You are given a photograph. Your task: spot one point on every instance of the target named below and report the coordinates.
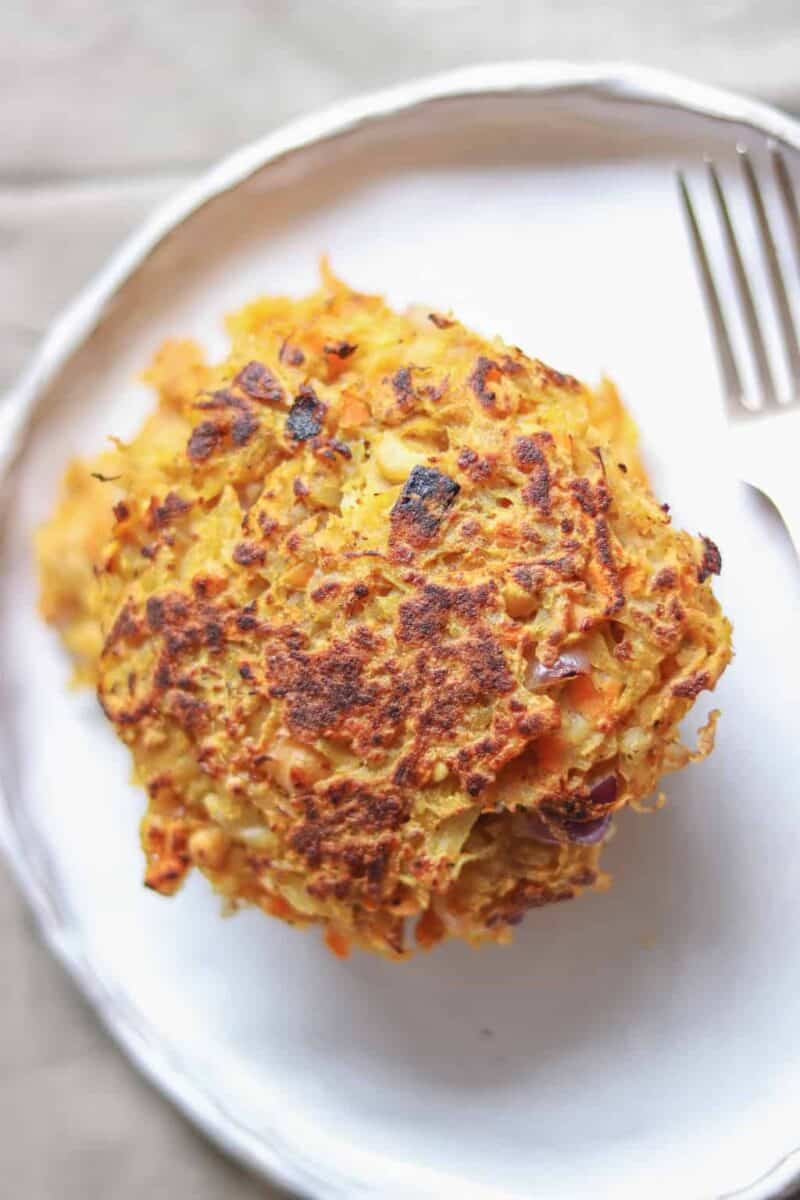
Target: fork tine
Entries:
(788, 197)
(790, 343)
(731, 379)
(745, 295)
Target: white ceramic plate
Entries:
(640, 1043)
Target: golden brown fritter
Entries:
(388, 618)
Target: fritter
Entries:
(388, 617)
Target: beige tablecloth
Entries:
(104, 109)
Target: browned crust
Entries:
(711, 562)
(355, 685)
(426, 497)
(259, 383)
(485, 371)
(530, 455)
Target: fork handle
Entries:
(784, 494)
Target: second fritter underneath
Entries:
(388, 618)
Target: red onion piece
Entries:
(580, 833)
(535, 828)
(604, 792)
(587, 833)
(567, 666)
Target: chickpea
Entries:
(208, 848)
(519, 603)
(294, 766)
(396, 459)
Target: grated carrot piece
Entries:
(430, 929)
(550, 752)
(337, 942)
(354, 413)
(582, 694)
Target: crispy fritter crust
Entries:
(388, 618)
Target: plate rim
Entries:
(621, 81)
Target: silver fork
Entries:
(764, 430)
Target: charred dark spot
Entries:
(534, 724)
(204, 440)
(213, 635)
(711, 562)
(258, 382)
(528, 578)
(486, 747)
(402, 382)
(205, 586)
(364, 637)
(511, 366)
(549, 375)
(426, 497)
(163, 675)
(487, 667)
(485, 368)
(439, 321)
(246, 619)
(478, 469)
(403, 386)
(602, 541)
(528, 450)
(325, 591)
(292, 355)
(584, 494)
(305, 416)
(565, 566)
(425, 616)
(405, 773)
(266, 524)
(173, 506)
(666, 578)
(190, 713)
(155, 612)
(475, 783)
(340, 349)
(524, 896)
(124, 626)
(246, 671)
(378, 863)
(222, 398)
(121, 510)
(338, 829)
(355, 600)
(435, 391)
(692, 686)
(530, 457)
(319, 689)
(243, 428)
(340, 448)
(248, 554)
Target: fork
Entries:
(764, 431)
